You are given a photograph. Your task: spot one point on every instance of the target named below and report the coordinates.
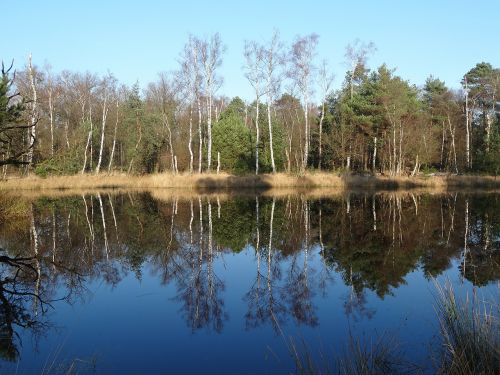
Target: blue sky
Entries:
(137, 39)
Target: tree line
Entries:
(377, 122)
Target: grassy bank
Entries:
(262, 182)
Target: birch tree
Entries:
(273, 59)
(107, 88)
(51, 93)
(209, 54)
(356, 55)
(191, 76)
(325, 80)
(254, 73)
(34, 111)
(303, 69)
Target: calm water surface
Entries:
(143, 283)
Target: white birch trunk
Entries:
(200, 137)
(103, 130)
(110, 165)
(34, 115)
(190, 142)
(271, 150)
(257, 136)
(51, 119)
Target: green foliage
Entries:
(489, 162)
(278, 146)
(235, 227)
(232, 139)
(64, 163)
(12, 127)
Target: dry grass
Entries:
(200, 182)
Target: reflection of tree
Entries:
(199, 288)
(410, 233)
(355, 304)
(264, 304)
(18, 288)
(256, 314)
(298, 290)
(371, 241)
(480, 261)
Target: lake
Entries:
(160, 282)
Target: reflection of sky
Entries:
(136, 327)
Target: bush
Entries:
(61, 164)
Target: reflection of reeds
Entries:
(470, 333)
(359, 357)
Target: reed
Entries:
(470, 333)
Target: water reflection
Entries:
(53, 247)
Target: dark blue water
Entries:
(136, 283)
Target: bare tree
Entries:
(356, 55)
(85, 86)
(254, 73)
(467, 125)
(50, 87)
(107, 89)
(273, 59)
(210, 58)
(117, 120)
(192, 81)
(302, 56)
(325, 80)
(34, 111)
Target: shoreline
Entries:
(224, 181)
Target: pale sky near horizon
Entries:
(137, 39)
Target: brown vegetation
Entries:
(223, 181)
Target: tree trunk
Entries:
(415, 169)
(452, 133)
(489, 121)
(467, 131)
(33, 116)
(66, 129)
(171, 147)
(103, 129)
(257, 137)
(218, 162)
(190, 139)
(306, 141)
(320, 151)
(51, 118)
(209, 130)
(374, 161)
(85, 153)
(393, 172)
(442, 145)
(91, 138)
(200, 146)
(400, 159)
(271, 150)
(114, 141)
